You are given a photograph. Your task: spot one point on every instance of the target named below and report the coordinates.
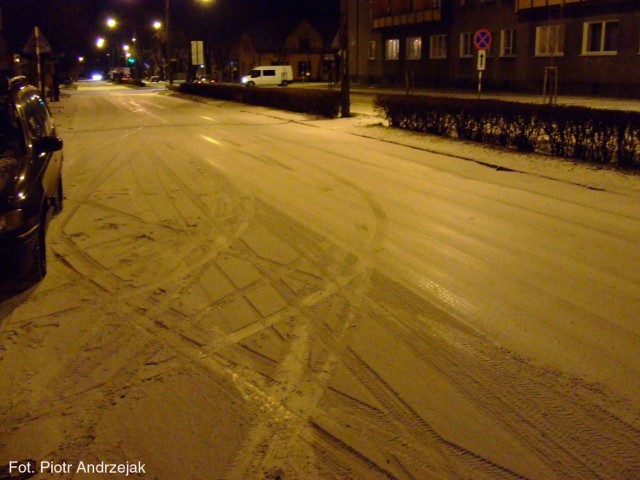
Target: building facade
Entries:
(300, 45)
(588, 46)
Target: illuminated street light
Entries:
(100, 42)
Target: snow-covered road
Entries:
(242, 293)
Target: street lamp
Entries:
(129, 53)
(111, 23)
(167, 9)
(344, 59)
(101, 43)
(157, 26)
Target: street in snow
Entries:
(237, 292)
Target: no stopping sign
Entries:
(482, 39)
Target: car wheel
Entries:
(59, 200)
(38, 263)
(251, 84)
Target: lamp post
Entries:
(157, 26)
(167, 8)
(101, 43)
(112, 23)
(344, 66)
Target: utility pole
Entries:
(36, 35)
(167, 7)
(344, 59)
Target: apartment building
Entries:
(590, 46)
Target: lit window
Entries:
(392, 49)
(372, 50)
(550, 41)
(508, 43)
(438, 46)
(414, 48)
(600, 37)
(466, 45)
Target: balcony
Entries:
(528, 4)
(390, 13)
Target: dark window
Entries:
(36, 115)
(601, 37)
(11, 138)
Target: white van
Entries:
(281, 75)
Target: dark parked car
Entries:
(205, 80)
(30, 183)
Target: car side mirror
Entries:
(47, 145)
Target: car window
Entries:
(11, 138)
(36, 115)
(269, 73)
(255, 73)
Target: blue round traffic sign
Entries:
(482, 39)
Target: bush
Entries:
(586, 134)
(324, 103)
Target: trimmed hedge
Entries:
(580, 133)
(324, 103)
(134, 82)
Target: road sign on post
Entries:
(197, 52)
(482, 41)
(38, 45)
(482, 59)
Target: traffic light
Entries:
(131, 61)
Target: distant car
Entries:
(154, 78)
(204, 79)
(31, 194)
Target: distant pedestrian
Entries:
(56, 88)
(48, 85)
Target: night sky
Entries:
(71, 26)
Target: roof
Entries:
(270, 35)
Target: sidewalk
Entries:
(627, 104)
